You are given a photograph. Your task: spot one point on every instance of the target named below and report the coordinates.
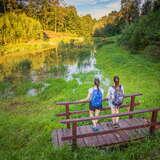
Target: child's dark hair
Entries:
(116, 78)
(97, 82)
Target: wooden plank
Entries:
(135, 133)
(55, 138)
(112, 136)
(90, 141)
(131, 122)
(129, 132)
(117, 137)
(82, 131)
(121, 136)
(87, 140)
(138, 131)
(122, 133)
(93, 140)
(102, 139)
(67, 132)
(81, 141)
(125, 132)
(107, 138)
(106, 132)
(144, 131)
(59, 136)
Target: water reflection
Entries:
(81, 66)
(63, 62)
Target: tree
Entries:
(156, 5)
(18, 27)
(8, 5)
(87, 25)
(146, 7)
(109, 25)
(130, 10)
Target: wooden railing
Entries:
(67, 112)
(151, 124)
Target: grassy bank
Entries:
(51, 40)
(27, 122)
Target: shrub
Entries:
(143, 33)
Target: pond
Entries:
(63, 62)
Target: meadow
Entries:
(27, 122)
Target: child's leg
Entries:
(113, 110)
(117, 118)
(97, 112)
(91, 114)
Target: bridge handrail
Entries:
(105, 99)
(109, 116)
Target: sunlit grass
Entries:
(35, 45)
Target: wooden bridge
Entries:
(83, 136)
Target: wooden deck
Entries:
(110, 139)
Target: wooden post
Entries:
(67, 114)
(131, 108)
(74, 134)
(153, 121)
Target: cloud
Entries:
(97, 8)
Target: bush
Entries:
(24, 65)
(143, 33)
(111, 30)
(152, 50)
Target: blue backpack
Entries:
(118, 97)
(96, 98)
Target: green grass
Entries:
(27, 122)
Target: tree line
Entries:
(137, 23)
(130, 12)
(51, 15)
(142, 34)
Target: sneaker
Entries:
(94, 128)
(116, 125)
(99, 127)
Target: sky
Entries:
(97, 8)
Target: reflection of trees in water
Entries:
(52, 60)
(13, 65)
(87, 61)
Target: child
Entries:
(95, 95)
(115, 97)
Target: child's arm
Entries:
(85, 99)
(88, 96)
(123, 90)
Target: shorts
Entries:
(111, 104)
(93, 108)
